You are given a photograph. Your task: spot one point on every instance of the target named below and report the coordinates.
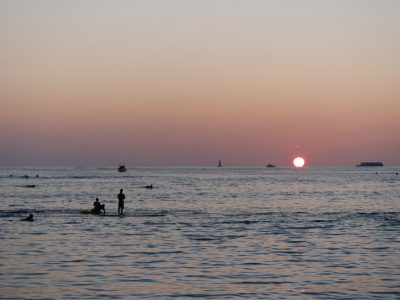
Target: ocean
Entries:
(206, 233)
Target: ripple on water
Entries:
(203, 233)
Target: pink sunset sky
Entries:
(159, 83)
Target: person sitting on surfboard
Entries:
(96, 204)
(98, 207)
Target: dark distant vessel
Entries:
(219, 164)
(270, 166)
(370, 164)
(121, 168)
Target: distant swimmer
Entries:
(11, 175)
(121, 198)
(25, 176)
(98, 207)
(148, 186)
(37, 176)
(29, 219)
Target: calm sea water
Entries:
(216, 233)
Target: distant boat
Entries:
(219, 164)
(370, 164)
(270, 166)
(121, 168)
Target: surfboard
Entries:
(89, 211)
(111, 215)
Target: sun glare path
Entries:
(299, 162)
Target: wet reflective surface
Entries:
(216, 233)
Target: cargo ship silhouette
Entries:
(370, 164)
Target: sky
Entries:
(186, 83)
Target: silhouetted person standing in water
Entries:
(121, 198)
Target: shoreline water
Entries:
(213, 233)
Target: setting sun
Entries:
(299, 162)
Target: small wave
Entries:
(203, 238)
(247, 222)
(262, 282)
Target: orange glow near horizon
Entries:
(242, 84)
(299, 162)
